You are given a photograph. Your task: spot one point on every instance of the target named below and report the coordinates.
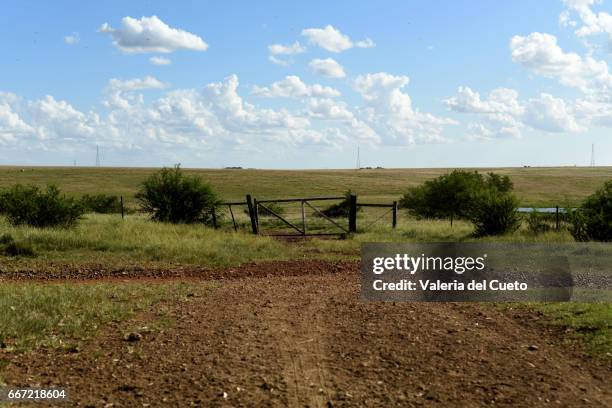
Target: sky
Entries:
(280, 84)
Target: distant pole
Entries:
(97, 156)
(557, 218)
(358, 158)
(593, 155)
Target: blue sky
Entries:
(284, 85)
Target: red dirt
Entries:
(286, 335)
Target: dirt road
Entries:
(308, 340)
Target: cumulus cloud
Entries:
(72, 39)
(276, 50)
(592, 23)
(540, 53)
(389, 110)
(331, 39)
(293, 87)
(329, 109)
(502, 114)
(151, 34)
(327, 67)
(550, 114)
(156, 60)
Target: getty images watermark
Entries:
(486, 272)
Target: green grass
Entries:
(591, 323)
(564, 186)
(62, 315)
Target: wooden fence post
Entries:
(214, 218)
(121, 207)
(557, 218)
(303, 219)
(252, 214)
(394, 223)
(353, 214)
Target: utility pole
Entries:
(593, 155)
(97, 156)
(358, 159)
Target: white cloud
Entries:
(285, 50)
(389, 110)
(280, 49)
(120, 92)
(72, 39)
(500, 101)
(150, 34)
(540, 53)
(327, 67)
(331, 39)
(328, 109)
(592, 23)
(293, 87)
(550, 114)
(156, 60)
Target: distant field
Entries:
(535, 186)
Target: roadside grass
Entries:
(591, 323)
(108, 239)
(62, 315)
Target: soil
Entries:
(297, 334)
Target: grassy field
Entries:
(107, 240)
(564, 186)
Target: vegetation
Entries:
(274, 207)
(61, 315)
(484, 200)
(30, 205)
(101, 203)
(593, 220)
(171, 196)
(494, 212)
(342, 208)
(534, 186)
(589, 322)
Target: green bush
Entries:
(451, 195)
(274, 207)
(9, 247)
(593, 220)
(537, 223)
(342, 208)
(30, 205)
(101, 203)
(494, 213)
(171, 196)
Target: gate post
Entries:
(557, 218)
(214, 217)
(252, 214)
(394, 222)
(353, 213)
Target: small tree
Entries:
(593, 220)
(101, 203)
(31, 206)
(171, 196)
(448, 196)
(494, 212)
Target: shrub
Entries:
(9, 247)
(494, 213)
(593, 220)
(451, 195)
(101, 203)
(274, 207)
(537, 223)
(31, 206)
(171, 196)
(342, 208)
